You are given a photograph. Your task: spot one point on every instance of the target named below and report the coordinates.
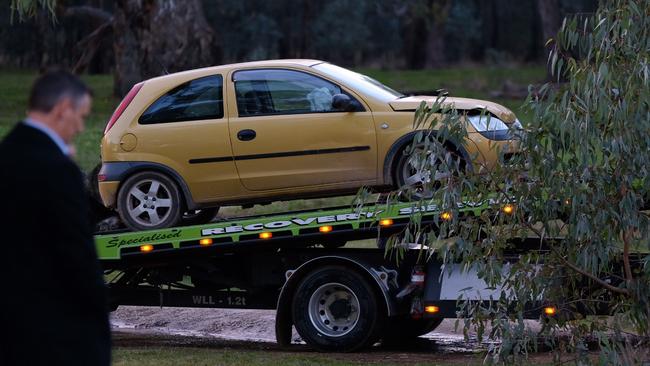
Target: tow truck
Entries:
(338, 298)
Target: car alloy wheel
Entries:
(149, 200)
(415, 174)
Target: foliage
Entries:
(582, 176)
(28, 8)
(378, 33)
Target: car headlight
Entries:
(483, 123)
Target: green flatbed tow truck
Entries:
(338, 298)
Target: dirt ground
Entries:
(136, 326)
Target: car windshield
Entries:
(359, 82)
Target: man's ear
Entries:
(61, 108)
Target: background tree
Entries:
(381, 33)
(155, 37)
(149, 37)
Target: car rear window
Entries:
(194, 100)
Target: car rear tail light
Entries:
(123, 104)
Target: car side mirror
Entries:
(342, 102)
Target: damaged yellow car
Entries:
(266, 131)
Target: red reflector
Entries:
(101, 177)
(123, 104)
(418, 275)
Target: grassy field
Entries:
(164, 356)
(13, 103)
(476, 82)
(158, 356)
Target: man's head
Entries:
(61, 101)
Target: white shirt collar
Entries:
(48, 131)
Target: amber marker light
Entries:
(550, 310)
(205, 242)
(386, 222)
(446, 216)
(431, 309)
(325, 229)
(508, 209)
(266, 235)
(146, 248)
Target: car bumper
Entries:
(108, 193)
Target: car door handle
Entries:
(246, 135)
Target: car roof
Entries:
(228, 67)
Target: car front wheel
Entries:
(148, 201)
(414, 171)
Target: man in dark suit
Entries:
(53, 307)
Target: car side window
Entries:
(277, 91)
(194, 100)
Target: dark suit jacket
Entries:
(53, 307)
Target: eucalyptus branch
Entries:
(591, 276)
(626, 255)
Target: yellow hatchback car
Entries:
(265, 131)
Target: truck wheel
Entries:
(149, 200)
(401, 330)
(335, 309)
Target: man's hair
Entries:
(53, 86)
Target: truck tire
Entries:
(401, 330)
(335, 309)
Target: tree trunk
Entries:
(435, 46)
(155, 37)
(549, 15)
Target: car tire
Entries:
(403, 329)
(199, 217)
(410, 180)
(148, 201)
(335, 309)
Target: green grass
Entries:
(475, 82)
(159, 356)
(14, 92)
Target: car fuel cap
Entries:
(128, 142)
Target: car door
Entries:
(286, 134)
(186, 130)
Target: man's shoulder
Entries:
(21, 133)
(27, 143)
